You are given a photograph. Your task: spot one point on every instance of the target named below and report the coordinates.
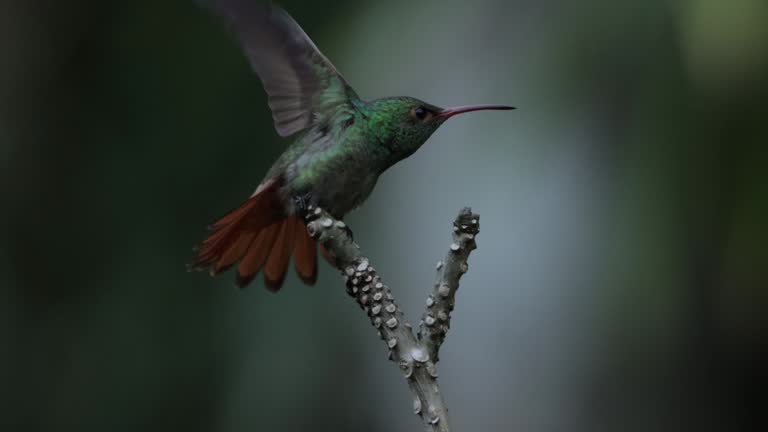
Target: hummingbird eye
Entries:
(420, 113)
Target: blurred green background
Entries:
(620, 280)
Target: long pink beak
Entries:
(450, 112)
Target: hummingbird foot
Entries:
(349, 232)
(303, 204)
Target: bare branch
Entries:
(416, 357)
(437, 317)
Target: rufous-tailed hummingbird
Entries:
(340, 147)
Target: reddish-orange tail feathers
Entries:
(259, 236)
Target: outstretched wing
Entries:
(301, 83)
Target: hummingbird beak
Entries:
(452, 111)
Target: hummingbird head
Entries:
(403, 124)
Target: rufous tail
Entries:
(258, 236)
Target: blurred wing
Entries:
(300, 82)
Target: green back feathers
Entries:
(302, 84)
(311, 99)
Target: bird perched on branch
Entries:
(341, 144)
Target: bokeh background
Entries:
(620, 281)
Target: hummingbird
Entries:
(341, 145)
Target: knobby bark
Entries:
(415, 354)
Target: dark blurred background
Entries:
(620, 280)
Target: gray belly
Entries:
(335, 175)
(339, 193)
